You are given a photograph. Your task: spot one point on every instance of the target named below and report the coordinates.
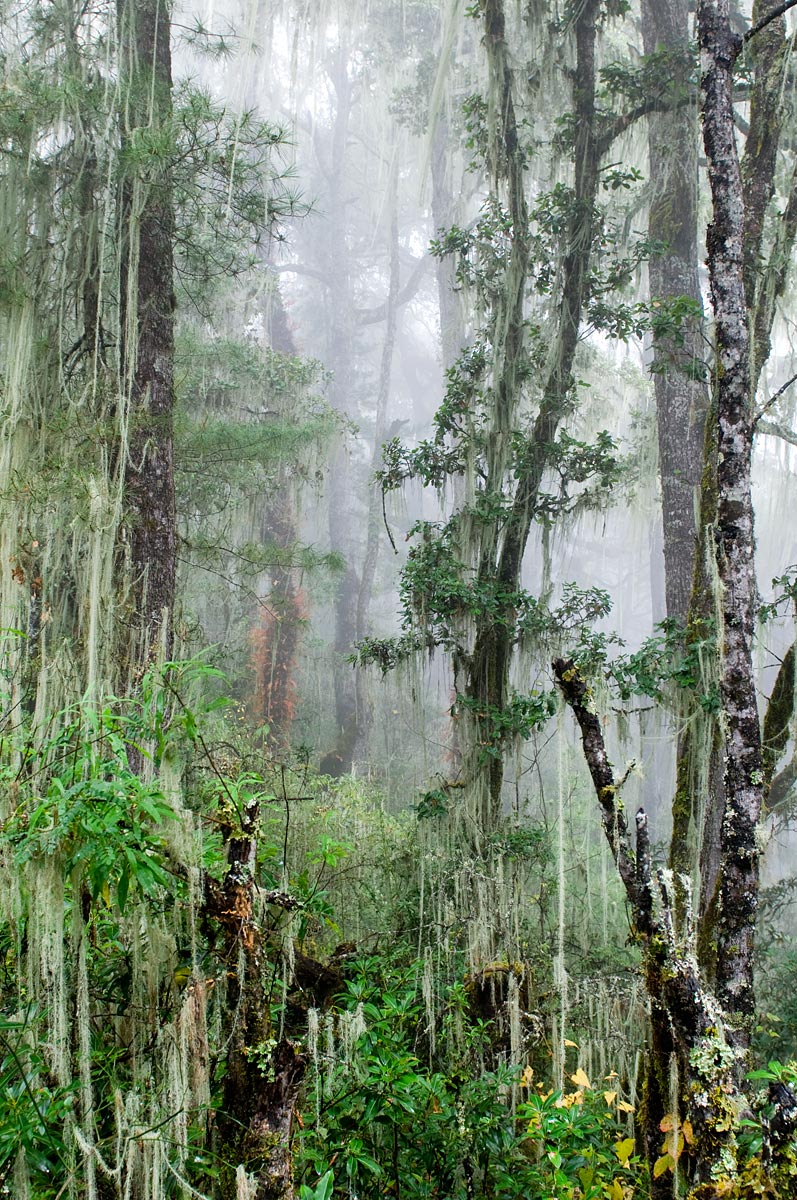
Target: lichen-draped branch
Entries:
(576, 692)
(686, 1020)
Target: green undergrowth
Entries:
(428, 1078)
(388, 1114)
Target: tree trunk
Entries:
(263, 1077)
(339, 358)
(700, 768)
(681, 397)
(277, 629)
(720, 47)
(686, 1020)
(147, 321)
(487, 678)
(768, 53)
(380, 423)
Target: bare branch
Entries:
(775, 429)
(297, 269)
(776, 12)
(370, 316)
(574, 688)
(773, 398)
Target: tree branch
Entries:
(775, 429)
(624, 121)
(297, 269)
(776, 12)
(574, 688)
(370, 316)
(773, 398)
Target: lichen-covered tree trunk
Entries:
(720, 47)
(688, 1022)
(147, 302)
(699, 798)
(263, 1075)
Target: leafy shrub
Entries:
(386, 1121)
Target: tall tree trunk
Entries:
(277, 630)
(147, 319)
(681, 397)
(380, 423)
(339, 357)
(700, 770)
(720, 48)
(488, 666)
(681, 408)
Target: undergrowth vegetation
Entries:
(424, 1078)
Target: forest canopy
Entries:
(398, 746)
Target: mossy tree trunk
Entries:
(720, 48)
(263, 1075)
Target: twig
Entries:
(387, 527)
(775, 396)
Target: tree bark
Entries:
(263, 1077)
(720, 47)
(685, 1019)
(488, 665)
(681, 396)
(768, 53)
(147, 320)
(277, 624)
(339, 358)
